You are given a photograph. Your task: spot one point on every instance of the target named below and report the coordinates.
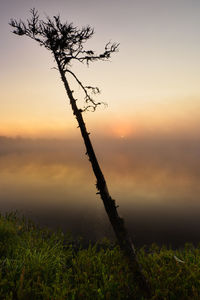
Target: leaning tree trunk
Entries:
(117, 222)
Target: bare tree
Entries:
(66, 43)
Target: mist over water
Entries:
(155, 182)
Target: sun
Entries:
(122, 129)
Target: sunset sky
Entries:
(151, 86)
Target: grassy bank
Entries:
(37, 264)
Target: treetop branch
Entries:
(66, 42)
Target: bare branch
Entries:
(91, 57)
(88, 99)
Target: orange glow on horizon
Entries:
(125, 127)
(39, 130)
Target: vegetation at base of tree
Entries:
(36, 263)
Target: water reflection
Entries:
(155, 183)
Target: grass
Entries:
(38, 264)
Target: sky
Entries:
(151, 85)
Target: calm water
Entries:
(156, 184)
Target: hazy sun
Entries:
(122, 130)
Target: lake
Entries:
(155, 182)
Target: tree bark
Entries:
(116, 221)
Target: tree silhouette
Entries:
(66, 43)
